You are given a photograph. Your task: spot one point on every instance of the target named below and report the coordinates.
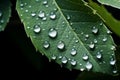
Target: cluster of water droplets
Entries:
(61, 46)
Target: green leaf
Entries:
(108, 19)
(113, 3)
(5, 12)
(69, 33)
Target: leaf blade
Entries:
(59, 33)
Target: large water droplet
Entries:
(61, 45)
(41, 14)
(95, 30)
(64, 60)
(73, 62)
(98, 55)
(91, 45)
(85, 57)
(52, 33)
(53, 16)
(112, 61)
(46, 45)
(73, 52)
(88, 66)
(37, 29)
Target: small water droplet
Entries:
(37, 29)
(82, 69)
(44, 18)
(95, 41)
(46, 45)
(91, 45)
(2, 21)
(73, 62)
(112, 61)
(61, 45)
(98, 55)
(54, 57)
(33, 14)
(95, 30)
(21, 5)
(60, 57)
(53, 16)
(88, 66)
(115, 71)
(26, 10)
(109, 32)
(64, 60)
(41, 14)
(87, 36)
(76, 41)
(113, 48)
(85, 57)
(68, 17)
(104, 39)
(52, 33)
(45, 2)
(73, 52)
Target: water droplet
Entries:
(60, 57)
(109, 32)
(46, 45)
(45, 2)
(76, 41)
(53, 16)
(85, 57)
(91, 45)
(99, 55)
(64, 60)
(52, 33)
(44, 18)
(68, 17)
(73, 62)
(33, 14)
(95, 41)
(26, 10)
(37, 29)
(2, 21)
(88, 66)
(73, 52)
(82, 69)
(54, 57)
(1, 13)
(104, 39)
(21, 5)
(87, 36)
(114, 71)
(113, 48)
(95, 30)
(61, 45)
(41, 14)
(112, 61)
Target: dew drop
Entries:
(82, 69)
(64, 60)
(54, 57)
(91, 45)
(73, 62)
(95, 30)
(33, 14)
(113, 48)
(61, 45)
(87, 36)
(44, 18)
(2, 21)
(73, 52)
(46, 45)
(95, 41)
(112, 61)
(114, 71)
(26, 10)
(41, 14)
(45, 2)
(88, 66)
(37, 29)
(53, 16)
(104, 39)
(98, 55)
(109, 32)
(52, 33)
(68, 17)
(85, 57)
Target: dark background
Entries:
(19, 59)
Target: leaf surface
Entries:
(68, 33)
(113, 3)
(5, 12)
